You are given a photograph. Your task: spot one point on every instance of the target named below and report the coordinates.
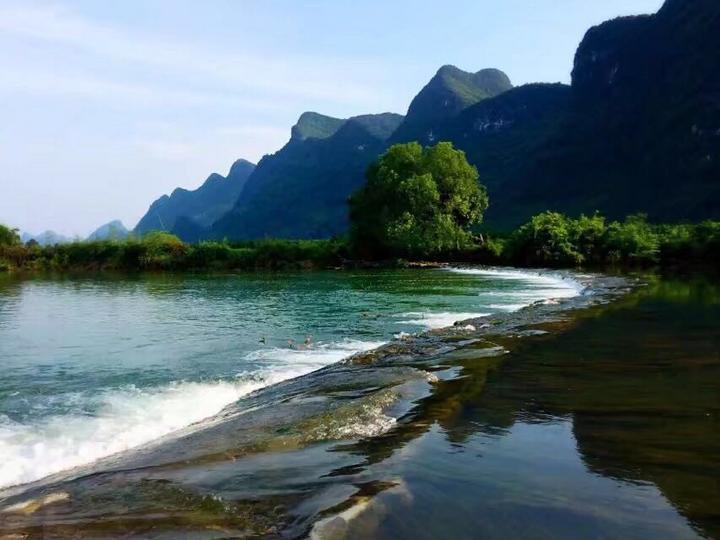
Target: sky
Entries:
(107, 105)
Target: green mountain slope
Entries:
(301, 191)
(449, 92)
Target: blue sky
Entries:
(106, 105)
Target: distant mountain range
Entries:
(47, 238)
(638, 130)
(114, 230)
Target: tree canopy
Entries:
(417, 202)
(8, 236)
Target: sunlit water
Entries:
(92, 367)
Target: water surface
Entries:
(606, 426)
(98, 366)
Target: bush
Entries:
(631, 242)
(8, 236)
(546, 240)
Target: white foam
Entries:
(432, 320)
(319, 354)
(507, 307)
(536, 287)
(128, 417)
(557, 285)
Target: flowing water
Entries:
(92, 367)
(599, 422)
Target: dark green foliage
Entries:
(549, 239)
(691, 243)
(11, 248)
(8, 236)
(553, 239)
(546, 240)
(418, 202)
(632, 242)
(164, 251)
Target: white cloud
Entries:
(57, 82)
(339, 80)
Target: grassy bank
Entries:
(547, 240)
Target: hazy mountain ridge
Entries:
(215, 197)
(46, 238)
(113, 230)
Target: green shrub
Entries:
(8, 236)
(546, 240)
(631, 242)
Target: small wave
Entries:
(559, 285)
(507, 307)
(432, 320)
(319, 354)
(128, 417)
(538, 287)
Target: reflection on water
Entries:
(608, 426)
(608, 430)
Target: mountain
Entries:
(448, 93)
(312, 125)
(301, 191)
(638, 130)
(114, 230)
(47, 238)
(645, 117)
(203, 205)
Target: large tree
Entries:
(417, 202)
